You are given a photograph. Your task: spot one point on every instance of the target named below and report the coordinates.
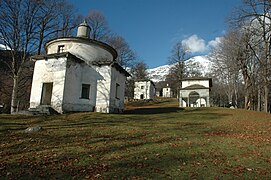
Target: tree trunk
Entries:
(14, 98)
(266, 95)
(248, 87)
(230, 98)
(248, 100)
(236, 98)
(259, 99)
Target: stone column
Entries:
(180, 100)
(207, 101)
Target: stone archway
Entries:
(192, 99)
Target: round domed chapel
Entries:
(78, 74)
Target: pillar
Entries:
(207, 101)
(180, 100)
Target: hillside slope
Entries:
(191, 143)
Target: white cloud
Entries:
(214, 43)
(195, 44)
(198, 45)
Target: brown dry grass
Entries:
(154, 141)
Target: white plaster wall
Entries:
(167, 92)
(103, 89)
(97, 77)
(53, 48)
(47, 71)
(148, 91)
(117, 103)
(86, 51)
(187, 83)
(78, 74)
(138, 91)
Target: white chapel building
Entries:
(195, 92)
(144, 90)
(78, 74)
(166, 92)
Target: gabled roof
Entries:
(147, 81)
(198, 79)
(194, 86)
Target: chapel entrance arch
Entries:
(192, 99)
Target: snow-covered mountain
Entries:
(3, 47)
(159, 73)
(200, 62)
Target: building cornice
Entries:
(55, 55)
(75, 58)
(85, 41)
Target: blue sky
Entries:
(152, 27)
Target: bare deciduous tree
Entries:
(139, 71)
(101, 31)
(17, 32)
(126, 56)
(54, 19)
(98, 24)
(246, 48)
(193, 69)
(23, 33)
(179, 54)
(225, 66)
(254, 17)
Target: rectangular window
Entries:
(117, 90)
(142, 87)
(60, 49)
(85, 91)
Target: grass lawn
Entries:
(157, 141)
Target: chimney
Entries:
(83, 30)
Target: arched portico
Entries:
(195, 93)
(192, 99)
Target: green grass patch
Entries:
(150, 142)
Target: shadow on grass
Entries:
(157, 110)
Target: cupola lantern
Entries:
(83, 30)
